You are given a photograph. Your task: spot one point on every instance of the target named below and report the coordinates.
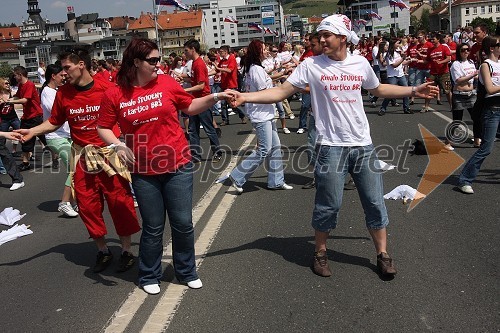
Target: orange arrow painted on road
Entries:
(442, 164)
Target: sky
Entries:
(14, 11)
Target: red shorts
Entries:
(91, 189)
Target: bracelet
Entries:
(413, 91)
(216, 97)
(115, 145)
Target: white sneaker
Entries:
(67, 209)
(467, 189)
(292, 116)
(196, 284)
(152, 289)
(16, 186)
(285, 186)
(300, 131)
(286, 130)
(238, 189)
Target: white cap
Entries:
(340, 25)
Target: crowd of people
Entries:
(130, 129)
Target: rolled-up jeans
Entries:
(269, 150)
(400, 81)
(170, 193)
(491, 121)
(332, 165)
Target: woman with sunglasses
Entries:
(8, 113)
(145, 105)
(489, 76)
(463, 72)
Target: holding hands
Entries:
(11, 135)
(426, 90)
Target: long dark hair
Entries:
(460, 56)
(391, 49)
(139, 48)
(254, 50)
(381, 47)
(51, 70)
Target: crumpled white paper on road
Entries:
(404, 192)
(384, 166)
(9, 216)
(13, 233)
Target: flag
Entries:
(361, 21)
(372, 14)
(254, 26)
(398, 3)
(267, 30)
(176, 3)
(230, 19)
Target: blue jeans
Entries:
(269, 149)
(281, 110)
(491, 120)
(4, 127)
(173, 193)
(400, 81)
(421, 76)
(412, 76)
(332, 165)
(304, 110)
(215, 89)
(205, 118)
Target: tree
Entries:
(423, 23)
(5, 69)
(487, 21)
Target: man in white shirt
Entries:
(41, 72)
(343, 143)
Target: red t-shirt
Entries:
(306, 54)
(113, 76)
(148, 117)
(229, 80)
(438, 53)
(369, 53)
(453, 47)
(423, 49)
(104, 75)
(81, 109)
(32, 107)
(199, 73)
(412, 53)
(475, 48)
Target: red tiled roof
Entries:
(120, 22)
(168, 21)
(7, 47)
(462, 2)
(10, 33)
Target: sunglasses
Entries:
(152, 61)
(465, 50)
(274, 51)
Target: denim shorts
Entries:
(332, 165)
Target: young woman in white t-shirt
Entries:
(59, 142)
(463, 72)
(262, 118)
(395, 74)
(489, 76)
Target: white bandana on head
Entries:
(340, 25)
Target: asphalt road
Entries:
(255, 250)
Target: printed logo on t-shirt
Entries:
(344, 82)
(85, 114)
(141, 104)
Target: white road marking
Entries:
(164, 311)
(449, 120)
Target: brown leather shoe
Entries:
(320, 265)
(385, 264)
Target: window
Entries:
(216, 42)
(474, 10)
(216, 35)
(490, 9)
(214, 27)
(394, 14)
(231, 26)
(483, 10)
(467, 11)
(220, 11)
(233, 41)
(497, 10)
(232, 33)
(222, 26)
(213, 12)
(230, 10)
(214, 19)
(222, 34)
(467, 22)
(223, 41)
(220, 19)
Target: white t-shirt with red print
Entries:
(336, 97)
(462, 68)
(257, 79)
(148, 118)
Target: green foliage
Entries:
(423, 23)
(5, 69)
(308, 8)
(488, 21)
